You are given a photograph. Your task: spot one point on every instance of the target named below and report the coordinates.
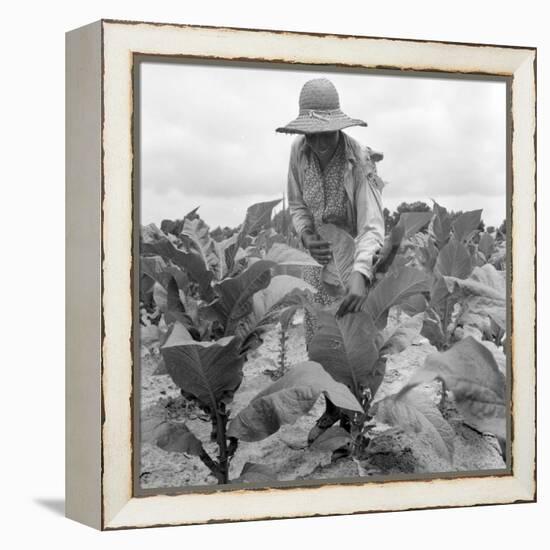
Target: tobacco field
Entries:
(416, 381)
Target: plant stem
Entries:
(443, 399)
(232, 447)
(445, 323)
(357, 425)
(223, 457)
(282, 355)
(211, 465)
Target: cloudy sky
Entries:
(208, 138)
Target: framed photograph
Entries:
(300, 274)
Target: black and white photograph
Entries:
(322, 276)
(275, 275)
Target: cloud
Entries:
(208, 136)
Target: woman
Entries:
(332, 179)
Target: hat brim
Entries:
(306, 124)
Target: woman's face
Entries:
(323, 144)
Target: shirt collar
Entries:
(351, 152)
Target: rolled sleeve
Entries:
(370, 222)
(299, 212)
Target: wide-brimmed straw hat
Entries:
(319, 110)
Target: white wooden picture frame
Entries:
(101, 257)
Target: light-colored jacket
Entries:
(363, 189)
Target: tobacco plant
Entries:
(352, 350)
(282, 332)
(210, 372)
(218, 299)
(216, 303)
(467, 294)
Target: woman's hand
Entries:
(319, 250)
(357, 293)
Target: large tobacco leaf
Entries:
(498, 354)
(282, 254)
(160, 271)
(173, 437)
(389, 250)
(174, 304)
(195, 234)
(465, 225)
(498, 258)
(284, 401)
(234, 295)
(184, 309)
(417, 415)
(486, 314)
(441, 225)
(255, 473)
(146, 285)
(417, 303)
(486, 245)
(278, 301)
(454, 260)
(471, 372)
(154, 267)
(227, 249)
(394, 289)
(257, 216)
(412, 222)
(154, 241)
(399, 338)
(192, 214)
(332, 439)
(491, 282)
(439, 293)
(175, 226)
(425, 253)
(170, 294)
(267, 238)
(483, 297)
(347, 349)
(335, 275)
(439, 313)
(169, 288)
(209, 371)
(283, 291)
(434, 329)
(176, 437)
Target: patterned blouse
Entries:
(324, 192)
(325, 197)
